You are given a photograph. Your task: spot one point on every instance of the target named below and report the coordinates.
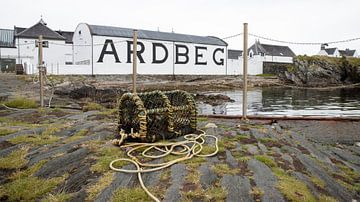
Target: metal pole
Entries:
(41, 71)
(134, 60)
(245, 66)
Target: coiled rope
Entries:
(190, 147)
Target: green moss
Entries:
(29, 188)
(46, 137)
(5, 131)
(211, 194)
(223, 169)
(60, 197)
(266, 75)
(324, 198)
(266, 140)
(90, 106)
(317, 182)
(80, 134)
(202, 119)
(109, 112)
(28, 172)
(292, 188)
(215, 194)
(266, 160)
(130, 195)
(21, 103)
(244, 159)
(104, 157)
(35, 139)
(15, 159)
(165, 175)
(96, 188)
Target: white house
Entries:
(349, 53)
(271, 53)
(20, 46)
(330, 52)
(108, 50)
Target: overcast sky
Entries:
(289, 20)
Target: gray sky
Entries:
(289, 20)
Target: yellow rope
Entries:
(191, 147)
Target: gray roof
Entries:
(347, 53)
(234, 54)
(68, 36)
(7, 38)
(330, 51)
(272, 50)
(154, 35)
(40, 29)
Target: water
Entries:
(280, 101)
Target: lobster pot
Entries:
(152, 116)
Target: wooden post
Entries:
(41, 70)
(134, 60)
(245, 66)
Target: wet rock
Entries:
(8, 150)
(287, 158)
(152, 178)
(238, 188)
(265, 180)
(38, 155)
(121, 180)
(213, 100)
(22, 132)
(252, 149)
(309, 184)
(332, 186)
(178, 173)
(78, 179)
(310, 147)
(257, 134)
(276, 150)
(231, 160)
(346, 156)
(207, 176)
(58, 166)
(262, 147)
(81, 116)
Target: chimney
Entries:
(322, 47)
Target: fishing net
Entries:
(152, 116)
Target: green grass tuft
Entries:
(266, 160)
(292, 188)
(96, 188)
(21, 103)
(14, 160)
(104, 157)
(130, 195)
(29, 188)
(223, 169)
(91, 106)
(5, 131)
(60, 197)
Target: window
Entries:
(45, 44)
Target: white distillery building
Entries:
(20, 46)
(108, 50)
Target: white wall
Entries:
(235, 67)
(82, 42)
(83, 53)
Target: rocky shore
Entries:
(65, 154)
